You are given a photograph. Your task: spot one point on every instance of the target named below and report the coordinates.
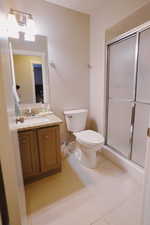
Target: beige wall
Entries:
(24, 76)
(68, 40)
(139, 17)
(108, 15)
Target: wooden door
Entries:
(49, 148)
(29, 153)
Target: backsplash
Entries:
(34, 109)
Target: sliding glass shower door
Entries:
(119, 126)
(121, 96)
(140, 133)
(128, 98)
(142, 99)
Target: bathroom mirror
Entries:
(30, 70)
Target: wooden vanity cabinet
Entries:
(40, 152)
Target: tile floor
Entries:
(81, 196)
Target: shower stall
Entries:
(128, 93)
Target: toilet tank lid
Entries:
(75, 111)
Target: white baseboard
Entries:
(133, 169)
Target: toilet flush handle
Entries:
(69, 116)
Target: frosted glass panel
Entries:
(140, 133)
(143, 88)
(121, 68)
(119, 119)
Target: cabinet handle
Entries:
(132, 123)
(69, 116)
(148, 132)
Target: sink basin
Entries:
(36, 120)
(31, 122)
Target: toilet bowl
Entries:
(88, 143)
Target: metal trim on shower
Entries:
(134, 32)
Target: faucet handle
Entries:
(20, 119)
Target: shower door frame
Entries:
(134, 32)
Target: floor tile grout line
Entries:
(107, 222)
(110, 211)
(114, 207)
(101, 220)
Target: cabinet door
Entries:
(29, 153)
(49, 148)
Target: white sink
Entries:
(36, 120)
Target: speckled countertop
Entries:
(39, 122)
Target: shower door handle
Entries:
(132, 123)
(148, 132)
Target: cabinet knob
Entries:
(46, 136)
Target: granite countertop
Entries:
(32, 123)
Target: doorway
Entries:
(38, 82)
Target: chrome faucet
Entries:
(29, 112)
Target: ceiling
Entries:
(86, 6)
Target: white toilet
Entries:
(88, 141)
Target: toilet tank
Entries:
(76, 119)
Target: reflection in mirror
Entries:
(30, 68)
(29, 78)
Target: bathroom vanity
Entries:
(39, 141)
(39, 133)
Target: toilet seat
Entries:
(89, 137)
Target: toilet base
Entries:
(87, 157)
(89, 160)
